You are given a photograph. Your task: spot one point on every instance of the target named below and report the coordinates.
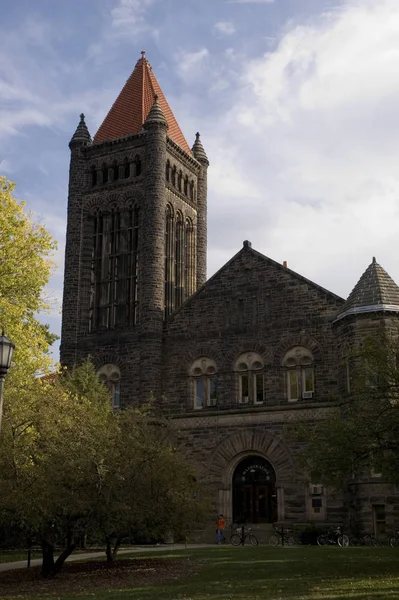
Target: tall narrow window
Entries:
(179, 256)
(191, 190)
(127, 168)
(189, 265)
(251, 385)
(173, 178)
(137, 166)
(93, 172)
(179, 181)
(116, 172)
(203, 374)
(114, 284)
(185, 186)
(105, 173)
(300, 376)
(169, 262)
(110, 375)
(167, 171)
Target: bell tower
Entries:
(136, 235)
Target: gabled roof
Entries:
(375, 291)
(133, 104)
(247, 249)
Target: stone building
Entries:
(236, 357)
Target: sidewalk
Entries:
(21, 564)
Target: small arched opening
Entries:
(254, 491)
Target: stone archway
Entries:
(238, 446)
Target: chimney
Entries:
(285, 264)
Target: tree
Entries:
(25, 268)
(149, 489)
(69, 466)
(362, 434)
(51, 450)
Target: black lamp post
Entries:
(6, 352)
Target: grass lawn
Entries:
(308, 573)
(13, 555)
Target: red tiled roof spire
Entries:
(131, 108)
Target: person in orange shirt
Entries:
(220, 529)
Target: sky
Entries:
(297, 103)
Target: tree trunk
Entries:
(108, 552)
(116, 548)
(62, 557)
(47, 558)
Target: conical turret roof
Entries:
(198, 149)
(131, 108)
(375, 291)
(81, 135)
(156, 115)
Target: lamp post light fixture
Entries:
(6, 352)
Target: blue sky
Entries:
(296, 101)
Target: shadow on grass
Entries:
(302, 573)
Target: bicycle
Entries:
(364, 540)
(333, 537)
(283, 536)
(394, 540)
(238, 538)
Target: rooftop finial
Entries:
(82, 118)
(197, 136)
(374, 260)
(156, 97)
(143, 54)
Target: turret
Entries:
(202, 192)
(72, 282)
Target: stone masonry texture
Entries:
(251, 305)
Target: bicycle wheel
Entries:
(374, 542)
(290, 541)
(343, 541)
(253, 540)
(393, 541)
(321, 540)
(235, 539)
(354, 541)
(273, 540)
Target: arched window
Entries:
(191, 190)
(251, 385)
(169, 262)
(105, 173)
(93, 175)
(126, 164)
(179, 260)
(298, 362)
(114, 297)
(204, 377)
(137, 166)
(189, 265)
(173, 175)
(185, 187)
(179, 181)
(110, 375)
(116, 171)
(167, 171)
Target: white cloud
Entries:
(313, 131)
(225, 27)
(192, 64)
(129, 17)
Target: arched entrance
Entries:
(254, 491)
